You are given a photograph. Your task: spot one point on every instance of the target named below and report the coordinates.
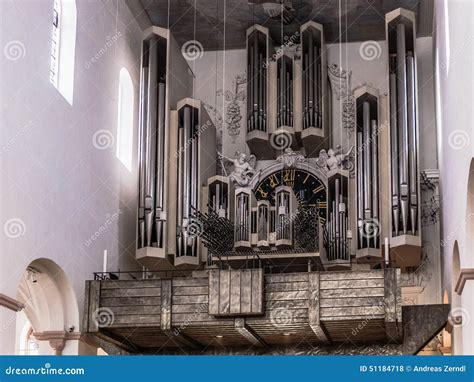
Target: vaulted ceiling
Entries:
(213, 22)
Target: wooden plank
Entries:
(201, 299)
(286, 278)
(214, 292)
(287, 304)
(224, 292)
(349, 293)
(124, 301)
(313, 307)
(128, 292)
(352, 311)
(190, 281)
(257, 291)
(235, 291)
(136, 319)
(245, 331)
(129, 284)
(282, 287)
(146, 309)
(190, 308)
(166, 302)
(351, 275)
(94, 306)
(291, 295)
(352, 284)
(355, 301)
(246, 290)
(190, 290)
(85, 316)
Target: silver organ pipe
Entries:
(402, 123)
(375, 177)
(160, 166)
(360, 189)
(394, 145)
(367, 163)
(412, 141)
(285, 91)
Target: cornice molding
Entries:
(464, 275)
(11, 303)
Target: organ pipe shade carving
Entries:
(368, 219)
(403, 127)
(151, 212)
(257, 81)
(285, 91)
(312, 78)
(188, 188)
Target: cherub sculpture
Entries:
(289, 158)
(244, 168)
(332, 161)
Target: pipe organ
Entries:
(405, 192)
(244, 203)
(285, 207)
(286, 95)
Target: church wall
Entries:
(61, 181)
(454, 44)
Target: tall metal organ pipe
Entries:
(412, 140)
(337, 245)
(394, 145)
(256, 82)
(312, 90)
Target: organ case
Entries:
(405, 240)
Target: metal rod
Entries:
(360, 189)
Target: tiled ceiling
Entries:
(213, 22)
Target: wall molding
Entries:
(57, 339)
(11, 303)
(464, 275)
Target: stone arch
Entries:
(50, 303)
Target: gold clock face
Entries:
(308, 189)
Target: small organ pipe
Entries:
(375, 190)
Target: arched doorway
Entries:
(51, 315)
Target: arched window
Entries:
(125, 119)
(63, 47)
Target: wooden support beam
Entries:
(248, 333)
(314, 308)
(391, 301)
(92, 303)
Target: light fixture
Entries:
(219, 336)
(287, 334)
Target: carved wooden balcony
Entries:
(240, 308)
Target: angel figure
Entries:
(244, 168)
(332, 161)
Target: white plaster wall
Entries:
(454, 50)
(53, 178)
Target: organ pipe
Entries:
(312, 86)
(394, 145)
(151, 148)
(285, 92)
(336, 237)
